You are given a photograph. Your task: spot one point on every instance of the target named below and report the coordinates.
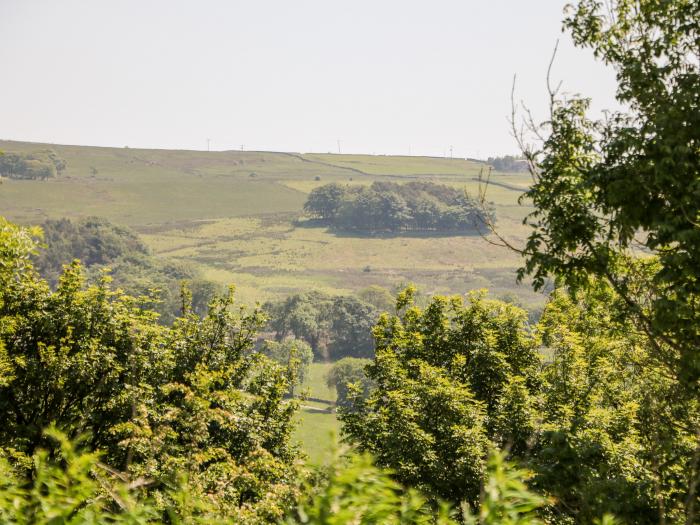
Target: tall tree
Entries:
(351, 328)
(616, 431)
(607, 192)
(604, 189)
(442, 378)
(324, 201)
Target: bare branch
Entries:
(552, 92)
(486, 219)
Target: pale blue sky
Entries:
(381, 76)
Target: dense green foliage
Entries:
(616, 433)
(295, 355)
(40, 165)
(348, 376)
(358, 492)
(387, 206)
(506, 500)
(606, 193)
(599, 400)
(182, 424)
(92, 240)
(74, 487)
(90, 361)
(101, 245)
(601, 424)
(604, 189)
(334, 327)
(351, 328)
(447, 381)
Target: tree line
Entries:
(333, 326)
(40, 165)
(508, 163)
(388, 206)
(102, 246)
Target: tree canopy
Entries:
(101, 245)
(579, 398)
(388, 206)
(616, 208)
(38, 165)
(606, 190)
(334, 327)
(442, 380)
(90, 361)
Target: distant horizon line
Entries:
(472, 159)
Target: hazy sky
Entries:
(381, 76)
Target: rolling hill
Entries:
(233, 214)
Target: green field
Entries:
(318, 427)
(233, 216)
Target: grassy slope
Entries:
(318, 428)
(207, 208)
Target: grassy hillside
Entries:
(318, 426)
(231, 213)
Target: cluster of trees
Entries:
(387, 206)
(40, 165)
(157, 402)
(334, 327)
(601, 426)
(93, 240)
(101, 245)
(509, 163)
(110, 417)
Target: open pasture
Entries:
(318, 427)
(235, 215)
